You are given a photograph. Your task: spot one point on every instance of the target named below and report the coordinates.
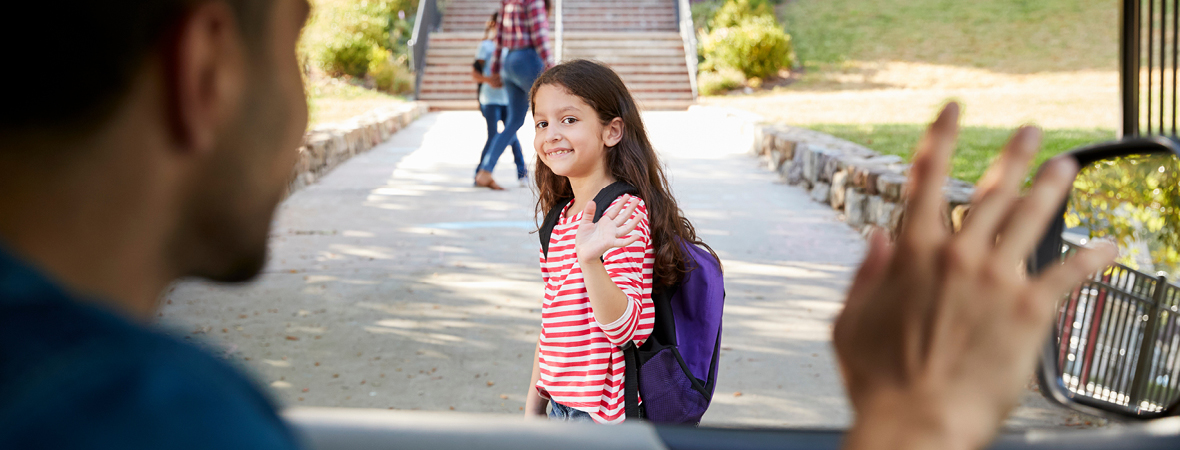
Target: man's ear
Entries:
(612, 133)
(207, 75)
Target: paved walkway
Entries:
(394, 284)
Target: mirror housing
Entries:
(1127, 399)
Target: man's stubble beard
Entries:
(230, 222)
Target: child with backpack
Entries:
(631, 321)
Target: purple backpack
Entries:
(675, 370)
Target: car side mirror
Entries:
(1115, 348)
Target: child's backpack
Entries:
(676, 368)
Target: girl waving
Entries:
(599, 275)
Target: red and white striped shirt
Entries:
(581, 364)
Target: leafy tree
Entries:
(1134, 200)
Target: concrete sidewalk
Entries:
(395, 284)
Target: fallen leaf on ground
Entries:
(292, 338)
(491, 383)
(737, 394)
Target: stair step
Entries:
(650, 69)
(597, 44)
(643, 96)
(633, 36)
(620, 16)
(586, 9)
(617, 28)
(677, 89)
(624, 60)
(450, 96)
(613, 3)
(664, 105)
(454, 105)
(625, 51)
(452, 51)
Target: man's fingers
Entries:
(1065, 276)
(1026, 223)
(871, 269)
(923, 210)
(999, 186)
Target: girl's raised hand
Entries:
(595, 238)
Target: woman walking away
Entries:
(493, 102)
(524, 31)
(598, 274)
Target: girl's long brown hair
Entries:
(632, 160)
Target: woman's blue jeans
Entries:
(520, 69)
(493, 114)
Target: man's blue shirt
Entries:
(73, 375)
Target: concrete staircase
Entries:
(639, 39)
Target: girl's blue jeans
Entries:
(562, 413)
(493, 114)
(520, 69)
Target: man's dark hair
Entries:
(75, 59)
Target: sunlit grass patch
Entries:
(1016, 36)
(334, 100)
(978, 146)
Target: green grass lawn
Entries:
(977, 145)
(1010, 38)
(1017, 36)
(333, 100)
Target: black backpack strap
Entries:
(631, 381)
(602, 201)
(550, 221)
(608, 195)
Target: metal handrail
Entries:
(426, 21)
(558, 32)
(688, 35)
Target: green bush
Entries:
(343, 36)
(757, 47)
(724, 80)
(391, 75)
(350, 55)
(736, 12)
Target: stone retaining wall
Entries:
(328, 145)
(869, 188)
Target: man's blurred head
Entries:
(210, 90)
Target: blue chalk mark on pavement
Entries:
(481, 224)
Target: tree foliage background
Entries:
(1135, 201)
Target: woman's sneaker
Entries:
(524, 181)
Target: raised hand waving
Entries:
(594, 239)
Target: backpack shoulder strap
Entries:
(550, 221)
(602, 201)
(608, 195)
